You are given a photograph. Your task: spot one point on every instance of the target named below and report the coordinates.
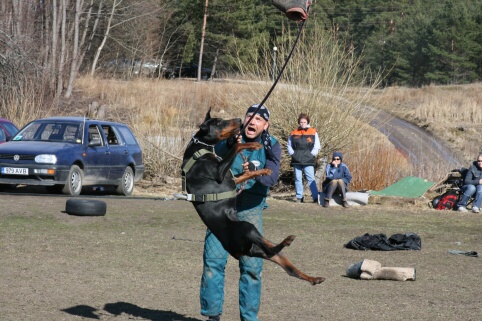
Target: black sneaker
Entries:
(215, 318)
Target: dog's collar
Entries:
(197, 141)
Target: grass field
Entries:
(143, 260)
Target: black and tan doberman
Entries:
(211, 188)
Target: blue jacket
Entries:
(261, 184)
(341, 172)
(474, 174)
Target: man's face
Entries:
(255, 127)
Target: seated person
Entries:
(338, 177)
(472, 185)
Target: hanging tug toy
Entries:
(296, 10)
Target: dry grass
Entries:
(453, 113)
(23, 105)
(164, 114)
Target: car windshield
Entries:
(54, 131)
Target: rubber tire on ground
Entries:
(126, 187)
(73, 184)
(83, 207)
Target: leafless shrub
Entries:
(375, 163)
(320, 80)
(21, 82)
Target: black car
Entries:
(66, 153)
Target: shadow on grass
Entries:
(119, 308)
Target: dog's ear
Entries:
(208, 115)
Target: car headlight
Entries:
(46, 159)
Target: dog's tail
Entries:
(268, 249)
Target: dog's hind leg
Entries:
(266, 249)
(293, 271)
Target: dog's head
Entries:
(213, 130)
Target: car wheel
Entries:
(126, 186)
(73, 184)
(82, 207)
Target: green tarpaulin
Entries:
(410, 186)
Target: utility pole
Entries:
(202, 41)
(273, 71)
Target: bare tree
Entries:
(63, 48)
(54, 43)
(45, 44)
(201, 47)
(75, 48)
(106, 34)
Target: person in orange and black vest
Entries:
(303, 146)
(337, 178)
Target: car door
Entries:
(97, 156)
(119, 157)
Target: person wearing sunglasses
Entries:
(337, 178)
(472, 186)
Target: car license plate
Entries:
(14, 171)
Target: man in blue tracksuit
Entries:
(249, 205)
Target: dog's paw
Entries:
(318, 280)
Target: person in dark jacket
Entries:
(337, 178)
(472, 185)
(303, 146)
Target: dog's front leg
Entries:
(225, 164)
(252, 174)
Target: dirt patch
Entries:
(143, 260)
